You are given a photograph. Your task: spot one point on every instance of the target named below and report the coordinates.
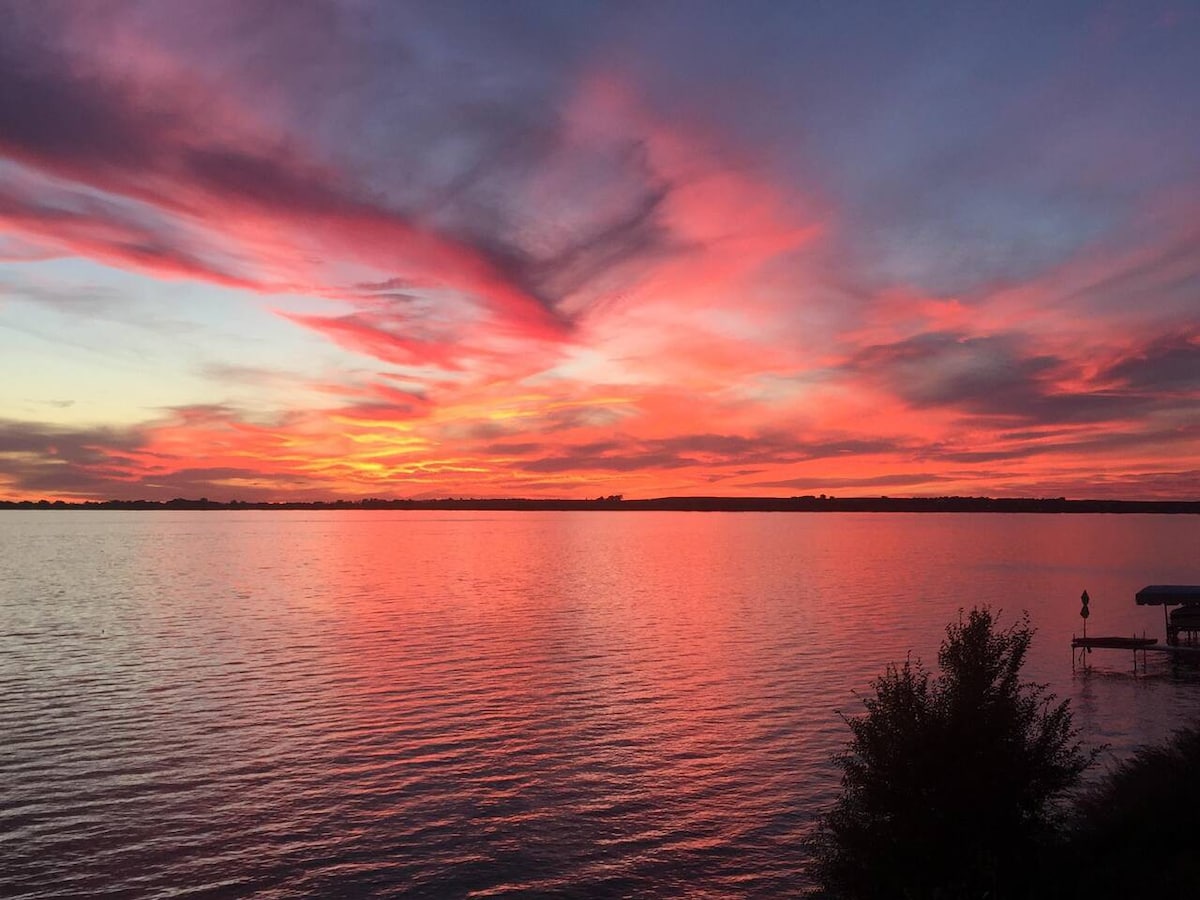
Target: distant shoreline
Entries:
(667, 504)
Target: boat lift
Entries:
(1184, 620)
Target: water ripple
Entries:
(432, 704)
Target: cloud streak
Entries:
(460, 249)
(163, 148)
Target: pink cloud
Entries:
(655, 312)
(176, 147)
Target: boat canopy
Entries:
(1168, 594)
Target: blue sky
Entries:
(264, 249)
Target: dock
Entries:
(1184, 621)
(1114, 643)
(1086, 645)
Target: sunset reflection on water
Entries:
(501, 703)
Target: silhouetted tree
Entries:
(949, 784)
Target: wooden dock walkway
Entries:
(1086, 645)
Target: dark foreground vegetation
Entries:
(821, 503)
(1136, 834)
(965, 784)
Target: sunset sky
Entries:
(315, 250)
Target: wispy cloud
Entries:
(589, 249)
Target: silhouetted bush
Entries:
(1135, 833)
(950, 783)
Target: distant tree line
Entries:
(806, 503)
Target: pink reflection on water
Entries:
(513, 701)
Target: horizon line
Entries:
(716, 503)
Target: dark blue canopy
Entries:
(1168, 594)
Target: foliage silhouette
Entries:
(950, 784)
(1135, 832)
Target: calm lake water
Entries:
(501, 704)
